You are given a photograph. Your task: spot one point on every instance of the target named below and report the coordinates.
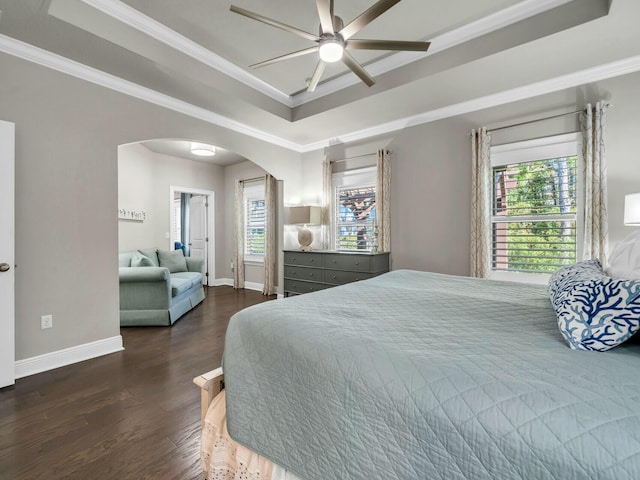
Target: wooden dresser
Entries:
(312, 271)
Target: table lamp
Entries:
(632, 209)
(303, 217)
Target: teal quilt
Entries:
(415, 375)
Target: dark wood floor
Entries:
(129, 415)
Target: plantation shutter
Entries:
(534, 215)
(254, 221)
(355, 217)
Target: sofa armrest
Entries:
(145, 288)
(194, 264)
(143, 274)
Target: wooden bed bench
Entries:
(211, 384)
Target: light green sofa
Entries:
(161, 291)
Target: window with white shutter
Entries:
(354, 215)
(255, 223)
(535, 206)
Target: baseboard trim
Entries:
(254, 286)
(67, 356)
(220, 282)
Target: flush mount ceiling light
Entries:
(335, 40)
(203, 150)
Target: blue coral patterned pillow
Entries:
(561, 280)
(595, 312)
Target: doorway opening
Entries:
(192, 226)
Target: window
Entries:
(255, 223)
(354, 209)
(535, 206)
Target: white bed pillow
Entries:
(625, 259)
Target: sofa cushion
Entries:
(152, 254)
(174, 260)
(124, 259)
(193, 277)
(179, 285)
(140, 260)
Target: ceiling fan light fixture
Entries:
(331, 50)
(203, 150)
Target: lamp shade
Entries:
(306, 215)
(632, 209)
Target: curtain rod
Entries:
(539, 119)
(254, 179)
(356, 156)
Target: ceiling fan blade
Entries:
(285, 57)
(388, 45)
(274, 23)
(367, 17)
(356, 68)
(325, 12)
(317, 74)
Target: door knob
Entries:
(5, 267)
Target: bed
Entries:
(421, 375)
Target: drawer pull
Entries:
(311, 274)
(334, 277)
(335, 261)
(311, 260)
(357, 279)
(357, 263)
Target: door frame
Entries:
(7, 255)
(211, 252)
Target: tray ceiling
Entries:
(193, 56)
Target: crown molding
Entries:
(575, 79)
(141, 22)
(61, 64)
(56, 62)
(147, 25)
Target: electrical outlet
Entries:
(46, 321)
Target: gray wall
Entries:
(431, 174)
(144, 180)
(67, 135)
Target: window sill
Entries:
(253, 260)
(520, 277)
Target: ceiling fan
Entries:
(335, 39)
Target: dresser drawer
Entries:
(296, 286)
(303, 273)
(304, 259)
(340, 277)
(344, 261)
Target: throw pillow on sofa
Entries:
(152, 254)
(140, 260)
(595, 312)
(174, 261)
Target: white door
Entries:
(7, 243)
(198, 245)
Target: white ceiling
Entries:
(192, 56)
(182, 149)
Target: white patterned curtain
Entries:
(327, 194)
(383, 200)
(480, 203)
(238, 231)
(596, 221)
(270, 203)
